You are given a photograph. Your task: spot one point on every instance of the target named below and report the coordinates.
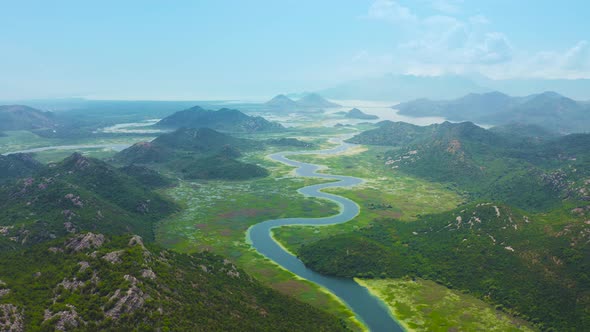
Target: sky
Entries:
(237, 49)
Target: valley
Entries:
(214, 214)
(295, 166)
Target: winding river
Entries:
(370, 310)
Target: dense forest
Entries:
(495, 252)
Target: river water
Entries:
(367, 308)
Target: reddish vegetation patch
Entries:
(362, 195)
(267, 272)
(291, 287)
(225, 232)
(240, 213)
(201, 226)
(454, 146)
(390, 214)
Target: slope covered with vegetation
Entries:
(225, 119)
(523, 243)
(17, 165)
(525, 171)
(20, 117)
(200, 153)
(527, 265)
(93, 282)
(77, 194)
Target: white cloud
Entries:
(443, 40)
(571, 63)
(442, 43)
(365, 63)
(495, 48)
(479, 20)
(577, 57)
(391, 11)
(447, 6)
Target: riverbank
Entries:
(368, 308)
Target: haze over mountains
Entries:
(309, 101)
(20, 117)
(392, 87)
(548, 110)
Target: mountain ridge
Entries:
(224, 119)
(548, 109)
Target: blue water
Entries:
(367, 308)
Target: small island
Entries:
(355, 113)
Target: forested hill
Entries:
(225, 119)
(78, 194)
(17, 165)
(528, 172)
(20, 117)
(196, 153)
(533, 266)
(92, 282)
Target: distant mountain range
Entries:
(310, 101)
(407, 87)
(225, 119)
(20, 117)
(548, 110)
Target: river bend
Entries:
(370, 310)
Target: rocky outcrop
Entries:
(148, 274)
(85, 241)
(66, 319)
(11, 318)
(127, 301)
(113, 257)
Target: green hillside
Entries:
(529, 265)
(225, 119)
(92, 282)
(16, 166)
(196, 153)
(20, 117)
(521, 171)
(77, 194)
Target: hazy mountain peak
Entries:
(21, 117)
(355, 113)
(315, 100)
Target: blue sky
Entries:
(254, 49)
